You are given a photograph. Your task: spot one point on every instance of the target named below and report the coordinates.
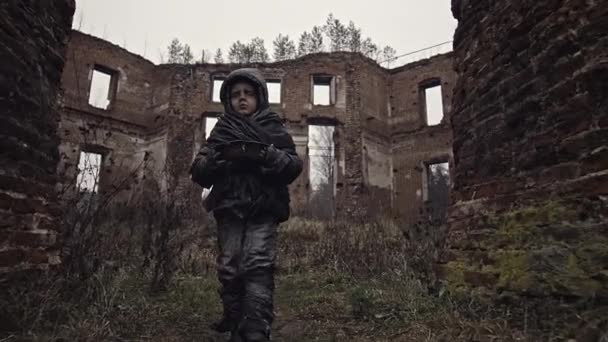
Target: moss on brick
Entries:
(513, 267)
(529, 258)
(525, 226)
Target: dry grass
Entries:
(336, 281)
(357, 249)
(310, 306)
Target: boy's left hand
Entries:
(262, 154)
(269, 155)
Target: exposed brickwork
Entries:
(414, 144)
(531, 149)
(33, 36)
(121, 133)
(159, 113)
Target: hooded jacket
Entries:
(244, 187)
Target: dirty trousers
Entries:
(246, 267)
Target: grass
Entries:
(338, 282)
(309, 306)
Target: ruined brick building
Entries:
(33, 37)
(153, 119)
(529, 121)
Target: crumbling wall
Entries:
(377, 165)
(120, 132)
(159, 113)
(376, 159)
(191, 101)
(407, 83)
(415, 144)
(134, 79)
(412, 153)
(530, 128)
(33, 36)
(121, 145)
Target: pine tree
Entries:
(218, 59)
(235, 54)
(175, 51)
(304, 44)
(316, 40)
(369, 48)
(353, 37)
(388, 55)
(259, 54)
(186, 55)
(254, 52)
(205, 56)
(337, 33)
(284, 48)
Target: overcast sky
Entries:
(147, 27)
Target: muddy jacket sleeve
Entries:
(206, 167)
(282, 166)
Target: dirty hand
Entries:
(215, 159)
(261, 157)
(216, 155)
(270, 154)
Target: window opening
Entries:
(89, 166)
(101, 91)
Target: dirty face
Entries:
(243, 98)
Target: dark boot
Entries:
(251, 330)
(230, 236)
(235, 336)
(258, 278)
(231, 300)
(226, 324)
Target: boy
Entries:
(249, 199)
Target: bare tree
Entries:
(323, 164)
(80, 20)
(438, 182)
(161, 56)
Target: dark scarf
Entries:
(264, 127)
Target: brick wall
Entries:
(531, 149)
(134, 79)
(414, 143)
(120, 133)
(33, 36)
(159, 113)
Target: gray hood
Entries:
(251, 75)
